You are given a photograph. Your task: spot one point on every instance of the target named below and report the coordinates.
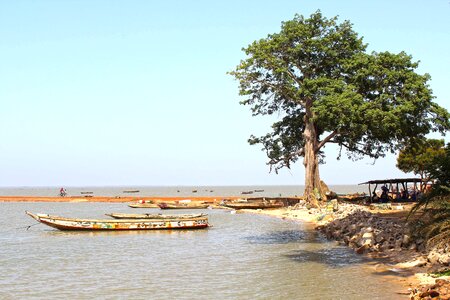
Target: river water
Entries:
(243, 256)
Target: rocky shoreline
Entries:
(382, 233)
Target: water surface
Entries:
(243, 256)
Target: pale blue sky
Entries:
(136, 92)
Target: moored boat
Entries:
(246, 192)
(164, 205)
(253, 205)
(155, 216)
(62, 223)
(143, 204)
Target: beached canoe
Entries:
(182, 205)
(143, 205)
(253, 205)
(124, 224)
(155, 216)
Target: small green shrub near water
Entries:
(440, 274)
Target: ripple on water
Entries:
(243, 256)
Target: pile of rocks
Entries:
(439, 290)
(357, 227)
(440, 255)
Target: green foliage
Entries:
(440, 274)
(441, 171)
(368, 104)
(421, 156)
(435, 206)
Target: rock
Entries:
(433, 257)
(444, 259)
(406, 240)
(398, 244)
(381, 237)
(367, 235)
(368, 229)
(413, 246)
(367, 239)
(362, 249)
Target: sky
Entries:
(96, 93)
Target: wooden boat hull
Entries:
(250, 205)
(143, 205)
(154, 216)
(182, 206)
(124, 224)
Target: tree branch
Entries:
(325, 140)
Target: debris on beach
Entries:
(439, 290)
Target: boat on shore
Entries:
(155, 216)
(62, 223)
(165, 205)
(143, 204)
(253, 204)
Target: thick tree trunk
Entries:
(313, 190)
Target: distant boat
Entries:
(131, 191)
(253, 205)
(182, 205)
(259, 191)
(194, 191)
(125, 224)
(247, 192)
(155, 216)
(84, 193)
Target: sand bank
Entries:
(108, 199)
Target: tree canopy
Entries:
(317, 76)
(421, 157)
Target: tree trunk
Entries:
(312, 179)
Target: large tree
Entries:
(316, 75)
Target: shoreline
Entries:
(404, 267)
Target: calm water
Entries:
(243, 256)
(174, 191)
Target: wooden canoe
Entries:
(143, 205)
(154, 216)
(253, 205)
(124, 224)
(182, 206)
